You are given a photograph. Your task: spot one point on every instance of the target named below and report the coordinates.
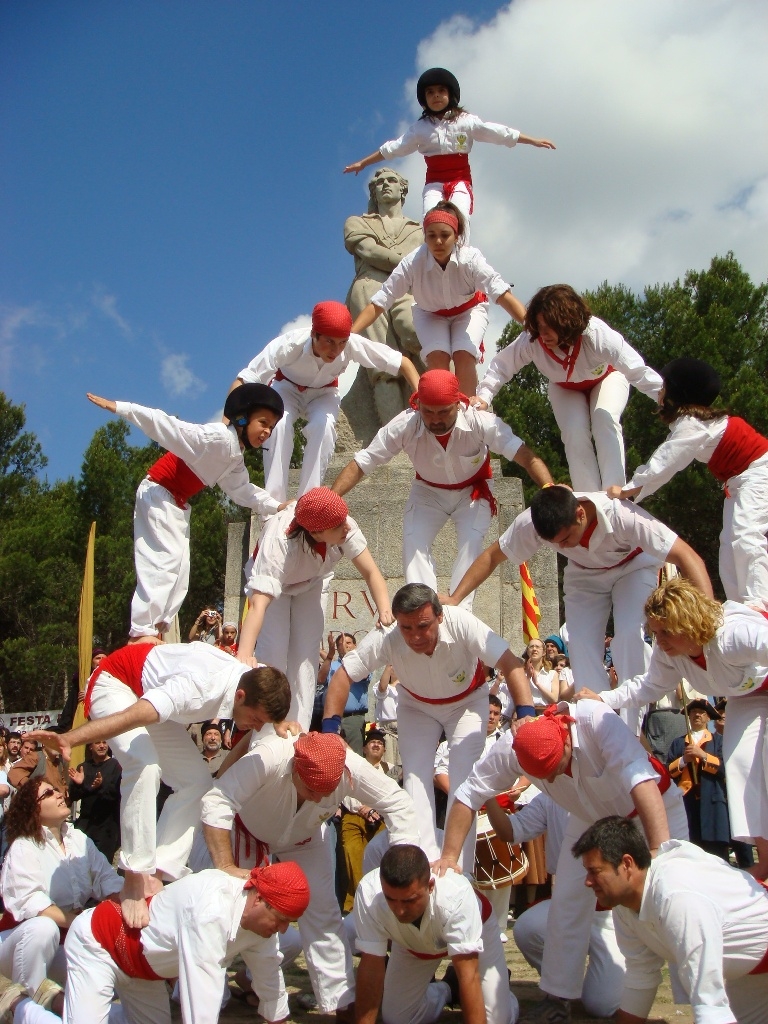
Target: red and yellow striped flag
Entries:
(531, 610)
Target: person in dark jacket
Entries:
(96, 784)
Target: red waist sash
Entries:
(175, 475)
(123, 944)
(304, 387)
(664, 781)
(125, 664)
(477, 680)
(738, 448)
(478, 483)
(476, 300)
(243, 840)
(585, 385)
(606, 568)
(485, 912)
(450, 170)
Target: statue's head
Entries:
(382, 184)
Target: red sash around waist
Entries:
(664, 781)
(305, 387)
(125, 664)
(476, 300)
(243, 840)
(450, 170)
(485, 912)
(738, 448)
(585, 385)
(123, 944)
(607, 568)
(568, 361)
(478, 483)
(175, 475)
(477, 680)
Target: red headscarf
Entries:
(283, 886)
(332, 319)
(319, 759)
(539, 745)
(438, 388)
(442, 217)
(319, 509)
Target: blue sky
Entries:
(170, 172)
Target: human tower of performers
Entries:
(230, 863)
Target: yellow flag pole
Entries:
(84, 640)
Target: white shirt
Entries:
(539, 816)
(386, 705)
(432, 137)
(462, 641)
(292, 353)
(607, 763)
(260, 789)
(689, 438)
(194, 933)
(451, 923)
(434, 287)
(700, 914)
(284, 566)
(211, 450)
(473, 434)
(600, 348)
(35, 877)
(548, 679)
(191, 683)
(621, 528)
(736, 658)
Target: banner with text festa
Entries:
(26, 721)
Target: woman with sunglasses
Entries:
(52, 871)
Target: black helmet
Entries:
(689, 381)
(438, 76)
(242, 401)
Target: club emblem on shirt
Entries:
(460, 678)
(598, 370)
(461, 141)
(748, 684)
(477, 460)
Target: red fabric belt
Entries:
(477, 681)
(478, 483)
(304, 387)
(175, 475)
(477, 299)
(7, 921)
(664, 781)
(737, 449)
(450, 170)
(242, 835)
(125, 664)
(123, 944)
(607, 568)
(585, 385)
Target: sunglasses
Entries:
(45, 795)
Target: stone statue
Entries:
(378, 240)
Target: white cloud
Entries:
(657, 110)
(106, 304)
(13, 320)
(177, 378)
(302, 320)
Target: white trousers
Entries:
(463, 332)
(499, 900)
(745, 751)
(320, 408)
(30, 953)
(93, 979)
(290, 640)
(604, 980)
(163, 751)
(409, 996)
(590, 595)
(590, 426)
(27, 1012)
(427, 510)
(161, 556)
(432, 194)
(419, 729)
(744, 540)
(569, 927)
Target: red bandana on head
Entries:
(539, 745)
(332, 319)
(438, 388)
(319, 759)
(319, 509)
(283, 886)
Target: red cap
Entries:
(283, 886)
(319, 509)
(539, 745)
(332, 319)
(442, 217)
(437, 388)
(319, 759)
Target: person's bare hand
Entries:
(614, 491)
(386, 618)
(103, 403)
(52, 740)
(77, 775)
(478, 403)
(354, 168)
(287, 728)
(97, 780)
(586, 694)
(445, 864)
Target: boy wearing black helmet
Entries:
(198, 455)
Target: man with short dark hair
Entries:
(427, 919)
(14, 746)
(684, 906)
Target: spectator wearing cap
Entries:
(450, 446)
(274, 800)
(695, 762)
(197, 927)
(591, 764)
(303, 367)
(198, 455)
(213, 748)
(292, 564)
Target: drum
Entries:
(497, 864)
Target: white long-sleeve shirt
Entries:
(600, 348)
(689, 438)
(700, 914)
(433, 137)
(541, 815)
(191, 683)
(292, 353)
(463, 640)
(194, 934)
(474, 434)
(284, 566)
(211, 450)
(37, 876)
(434, 287)
(260, 789)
